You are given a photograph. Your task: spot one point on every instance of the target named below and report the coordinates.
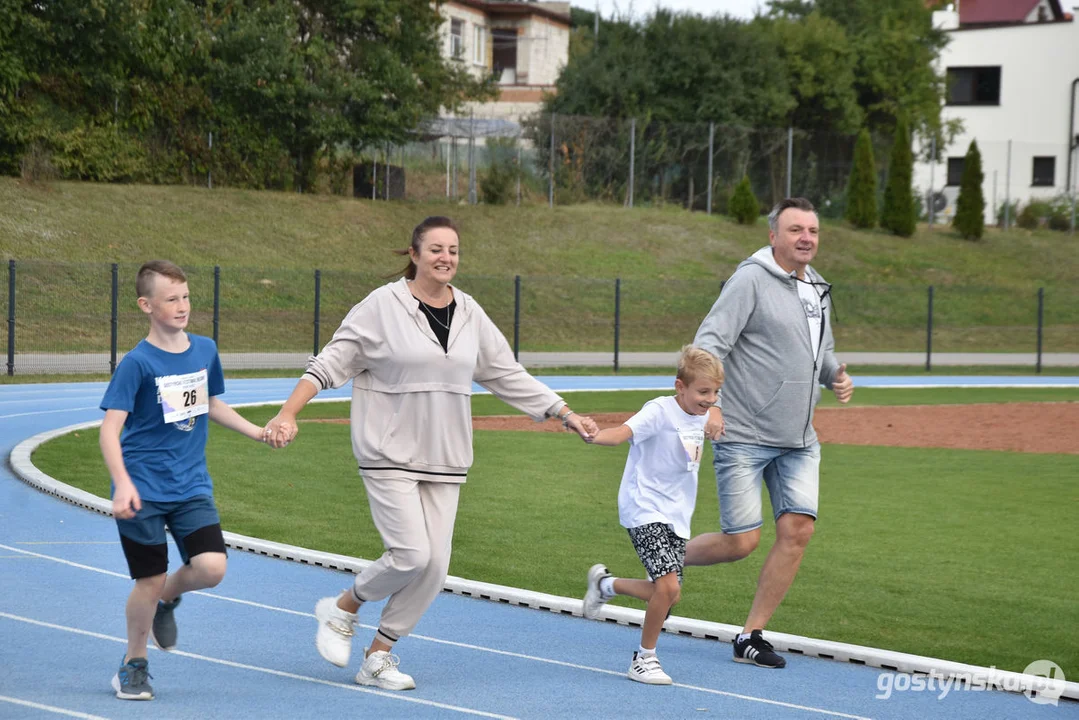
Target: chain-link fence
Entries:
(81, 317)
(554, 159)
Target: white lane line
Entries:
(49, 412)
(479, 648)
(66, 562)
(265, 670)
(50, 708)
(68, 542)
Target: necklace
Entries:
(434, 317)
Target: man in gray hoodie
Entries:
(770, 327)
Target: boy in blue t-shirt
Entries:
(162, 396)
(656, 500)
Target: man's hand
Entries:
(843, 385)
(713, 428)
(126, 502)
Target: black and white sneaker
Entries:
(755, 650)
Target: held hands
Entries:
(583, 425)
(713, 427)
(843, 385)
(280, 431)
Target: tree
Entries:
(744, 206)
(900, 215)
(862, 184)
(970, 207)
(896, 47)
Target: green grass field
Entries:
(951, 554)
(670, 261)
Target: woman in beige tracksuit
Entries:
(412, 350)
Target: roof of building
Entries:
(549, 10)
(1003, 12)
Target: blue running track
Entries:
(247, 647)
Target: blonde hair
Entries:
(694, 363)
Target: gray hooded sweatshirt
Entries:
(758, 328)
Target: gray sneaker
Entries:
(593, 597)
(163, 631)
(130, 681)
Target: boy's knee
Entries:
(745, 543)
(211, 568)
(153, 583)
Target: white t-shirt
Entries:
(811, 304)
(659, 484)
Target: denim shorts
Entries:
(791, 474)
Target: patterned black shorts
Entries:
(659, 548)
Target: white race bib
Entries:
(693, 442)
(183, 396)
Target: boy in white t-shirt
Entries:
(656, 499)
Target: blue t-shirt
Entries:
(167, 398)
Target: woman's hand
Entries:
(281, 430)
(583, 425)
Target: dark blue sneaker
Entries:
(130, 681)
(163, 630)
(755, 650)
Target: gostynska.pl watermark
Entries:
(1044, 687)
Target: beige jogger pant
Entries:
(415, 520)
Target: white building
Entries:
(1012, 68)
(525, 44)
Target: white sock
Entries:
(606, 588)
(642, 651)
(744, 636)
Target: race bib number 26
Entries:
(183, 396)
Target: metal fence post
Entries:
(995, 212)
(11, 317)
(113, 317)
(932, 179)
(518, 143)
(318, 305)
(1041, 315)
(387, 193)
(516, 317)
(1007, 189)
(217, 301)
(472, 196)
(209, 170)
(550, 167)
(711, 150)
(632, 156)
(929, 334)
(790, 157)
(617, 317)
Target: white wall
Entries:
(1038, 64)
(471, 18)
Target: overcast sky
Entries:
(737, 8)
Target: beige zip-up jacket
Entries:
(411, 401)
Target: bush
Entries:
(970, 207)
(499, 184)
(1054, 213)
(900, 214)
(862, 185)
(744, 206)
(1013, 213)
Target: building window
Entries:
(955, 171)
(479, 45)
(1045, 170)
(457, 38)
(504, 55)
(974, 86)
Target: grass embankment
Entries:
(933, 552)
(670, 262)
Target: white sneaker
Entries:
(380, 669)
(335, 630)
(593, 597)
(646, 669)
